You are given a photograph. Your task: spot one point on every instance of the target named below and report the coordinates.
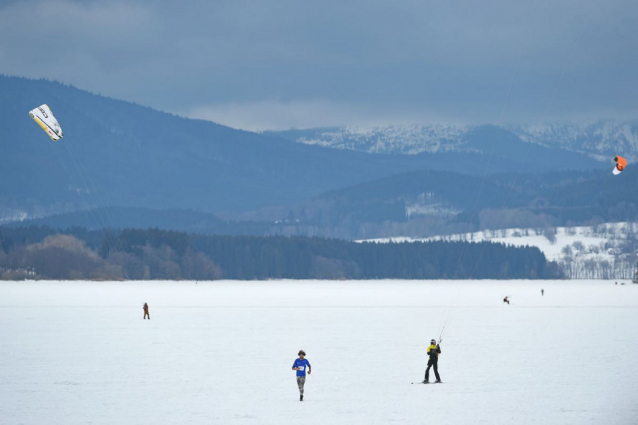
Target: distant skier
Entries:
(433, 351)
(300, 366)
(506, 300)
(542, 292)
(146, 312)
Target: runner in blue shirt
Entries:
(300, 366)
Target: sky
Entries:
(278, 64)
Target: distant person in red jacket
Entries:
(146, 312)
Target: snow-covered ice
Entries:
(221, 352)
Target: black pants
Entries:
(433, 363)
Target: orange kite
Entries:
(621, 163)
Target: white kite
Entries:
(45, 119)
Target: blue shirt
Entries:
(301, 364)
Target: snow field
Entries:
(612, 234)
(221, 352)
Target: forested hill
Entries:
(116, 153)
(428, 203)
(122, 218)
(567, 196)
(419, 204)
(44, 253)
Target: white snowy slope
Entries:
(221, 352)
(599, 242)
(601, 140)
(404, 139)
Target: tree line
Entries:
(45, 253)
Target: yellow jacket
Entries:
(434, 350)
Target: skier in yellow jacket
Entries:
(433, 351)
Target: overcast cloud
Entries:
(288, 63)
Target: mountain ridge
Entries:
(116, 153)
(599, 140)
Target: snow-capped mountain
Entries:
(410, 140)
(601, 140)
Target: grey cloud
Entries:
(369, 60)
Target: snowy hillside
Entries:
(409, 140)
(597, 250)
(600, 140)
(221, 352)
(603, 139)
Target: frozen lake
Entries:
(221, 352)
